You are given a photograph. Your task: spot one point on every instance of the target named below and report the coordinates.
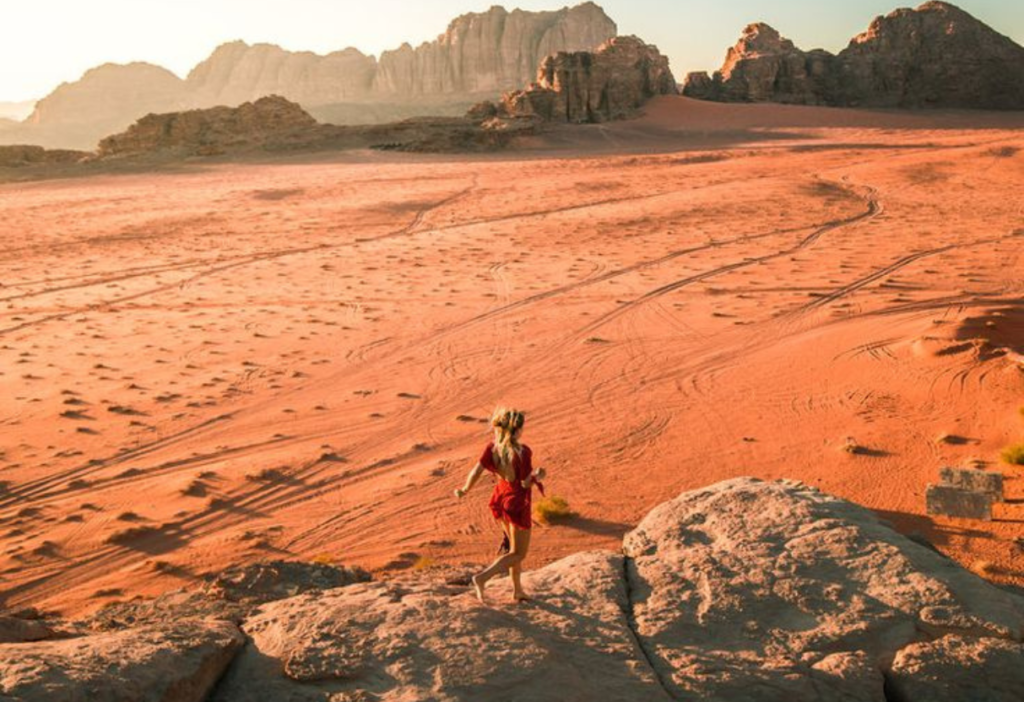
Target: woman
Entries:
(512, 463)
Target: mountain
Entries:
(481, 55)
(935, 56)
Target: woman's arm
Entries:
(474, 475)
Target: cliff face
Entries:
(484, 53)
(934, 56)
(610, 83)
(237, 73)
(490, 52)
(743, 590)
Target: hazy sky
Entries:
(46, 42)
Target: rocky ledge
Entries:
(746, 590)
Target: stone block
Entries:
(949, 501)
(974, 481)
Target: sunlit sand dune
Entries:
(227, 363)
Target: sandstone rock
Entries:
(766, 67)
(956, 502)
(218, 129)
(613, 82)
(480, 55)
(955, 668)
(178, 662)
(277, 580)
(491, 52)
(428, 641)
(21, 630)
(237, 73)
(775, 591)
(934, 56)
(20, 155)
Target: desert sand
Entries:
(221, 363)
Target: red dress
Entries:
(510, 502)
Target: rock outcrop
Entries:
(480, 55)
(746, 590)
(612, 82)
(276, 124)
(270, 120)
(490, 52)
(20, 156)
(934, 56)
(179, 661)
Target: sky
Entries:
(46, 42)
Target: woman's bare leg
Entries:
(519, 544)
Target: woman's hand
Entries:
(540, 474)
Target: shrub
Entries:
(424, 562)
(323, 559)
(1014, 455)
(551, 509)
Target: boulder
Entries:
(775, 591)
(423, 640)
(612, 82)
(179, 661)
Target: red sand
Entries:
(256, 361)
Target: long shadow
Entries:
(598, 527)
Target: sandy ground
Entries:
(295, 360)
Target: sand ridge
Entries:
(295, 359)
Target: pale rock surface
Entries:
(180, 661)
(427, 641)
(959, 668)
(774, 591)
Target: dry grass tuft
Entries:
(1014, 455)
(551, 509)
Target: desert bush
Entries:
(1014, 455)
(551, 509)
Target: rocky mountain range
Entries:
(936, 56)
(481, 55)
(745, 590)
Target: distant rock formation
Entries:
(105, 100)
(276, 124)
(214, 130)
(237, 73)
(769, 591)
(20, 156)
(480, 55)
(935, 56)
(490, 52)
(612, 82)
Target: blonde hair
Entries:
(507, 423)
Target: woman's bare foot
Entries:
(518, 597)
(478, 586)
